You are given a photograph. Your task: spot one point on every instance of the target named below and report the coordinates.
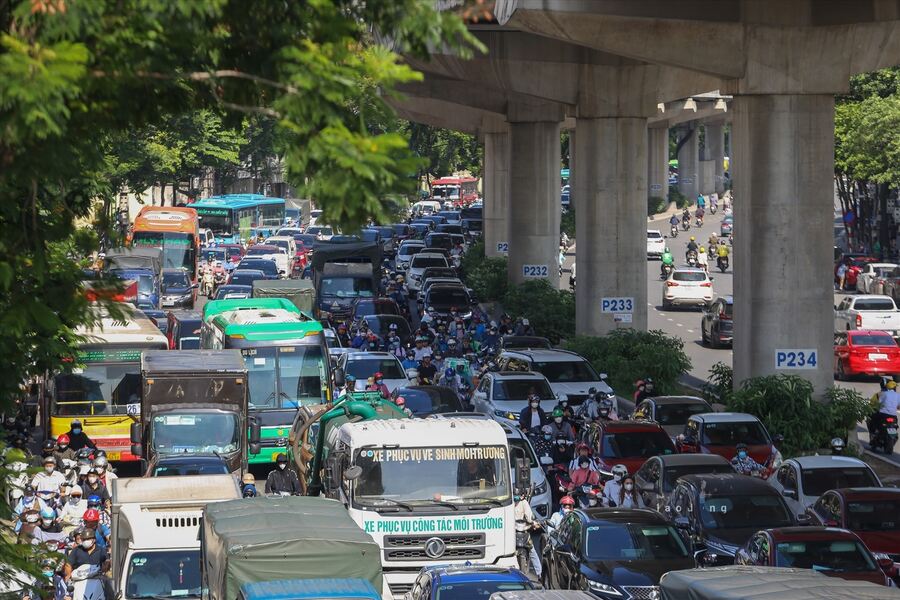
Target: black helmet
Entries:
(281, 458)
(741, 446)
(48, 447)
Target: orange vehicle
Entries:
(461, 191)
(173, 229)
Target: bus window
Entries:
(97, 389)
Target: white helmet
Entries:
(619, 472)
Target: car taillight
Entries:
(706, 284)
(859, 320)
(671, 284)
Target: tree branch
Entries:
(205, 76)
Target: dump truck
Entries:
(155, 523)
(194, 403)
(285, 539)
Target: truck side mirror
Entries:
(136, 434)
(254, 434)
(137, 449)
(254, 448)
(338, 376)
(523, 473)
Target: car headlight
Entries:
(541, 489)
(609, 590)
(777, 459)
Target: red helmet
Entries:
(91, 514)
(62, 440)
(567, 501)
(400, 401)
(378, 375)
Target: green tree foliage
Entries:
(443, 151)
(487, 277)
(567, 222)
(627, 355)
(79, 78)
(549, 310)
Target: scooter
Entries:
(691, 258)
(699, 221)
(685, 223)
(885, 434)
(673, 231)
(87, 583)
(713, 207)
(666, 271)
(723, 263)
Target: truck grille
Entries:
(399, 589)
(413, 547)
(169, 522)
(643, 592)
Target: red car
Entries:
(865, 352)
(828, 550)
(631, 443)
(871, 513)
(720, 433)
(235, 252)
(855, 267)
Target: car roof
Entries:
(281, 238)
(631, 426)
(828, 462)
(724, 417)
(247, 272)
(472, 573)
(729, 482)
(871, 297)
(869, 493)
(545, 354)
(663, 400)
(688, 270)
(683, 460)
(801, 533)
(623, 515)
(507, 375)
(264, 247)
(370, 356)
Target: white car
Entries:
(417, 266)
(314, 216)
(867, 312)
(322, 232)
(406, 251)
(363, 365)
(803, 479)
(871, 280)
(504, 394)
(656, 243)
(570, 375)
(687, 286)
(286, 242)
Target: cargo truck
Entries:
(155, 523)
(194, 403)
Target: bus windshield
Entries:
(97, 389)
(178, 248)
(218, 220)
(286, 376)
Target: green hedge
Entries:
(627, 355)
(678, 198)
(785, 405)
(656, 205)
(486, 276)
(549, 310)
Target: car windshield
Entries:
(410, 249)
(192, 432)
(872, 339)
(266, 266)
(368, 235)
(732, 434)
(175, 279)
(818, 481)
(689, 276)
(246, 277)
(824, 555)
(517, 390)
(201, 468)
(566, 371)
(213, 254)
(743, 511)
(347, 287)
(227, 292)
(873, 515)
(678, 414)
(632, 541)
(163, 574)
(477, 589)
(427, 402)
(420, 475)
(266, 250)
(673, 473)
(874, 304)
(636, 444)
(285, 376)
(421, 262)
(365, 368)
(654, 235)
(447, 296)
(283, 244)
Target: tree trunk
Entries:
(881, 192)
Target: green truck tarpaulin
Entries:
(298, 537)
(299, 291)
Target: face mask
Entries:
(49, 468)
(534, 404)
(63, 446)
(31, 519)
(548, 437)
(47, 522)
(742, 454)
(629, 486)
(567, 510)
(87, 544)
(282, 466)
(378, 381)
(76, 431)
(558, 420)
(76, 499)
(47, 574)
(92, 479)
(583, 465)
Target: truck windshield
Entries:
(192, 432)
(166, 574)
(419, 476)
(347, 287)
(285, 376)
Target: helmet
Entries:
(249, 490)
(75, 423)
(48, 513)
(62, 440)
(557, 412)
(891, 385)
(567, 501)
(620, 470)
(76, 490)
(350, 379)
(49, 446)
(525, 322)
(400, 401)
(248, 478)
(93, 471)
(84, 454)
(692, 238)
(101, 462)
(702, 250)
(451, 342)
(94, 500)
(48, 460)
(91, 514)
(582, 446)
(281, 458)
(379, 375)
(741, 446)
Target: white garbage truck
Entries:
(155, 525)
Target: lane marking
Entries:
(690, 331)
(679, 324)
(669, 320)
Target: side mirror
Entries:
(137, 433)
(603, 376)
(137, 449)
(255, 433)
(682, 523)
(789, 493)
(353, 473)
(777, 438)
(254, 449)
(337, 375)
(523, 474)
(804, 519)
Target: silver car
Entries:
(504, 394)
(803, 479)
(405, 252)
(417, 266)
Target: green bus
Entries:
(286, 358)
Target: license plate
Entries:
(114, 456)
(878, 356)
(892, 431)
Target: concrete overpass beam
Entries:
(496, 192)
(534, 192)
(689, 163)
(611, 187)
(784, 147)
(658, 161)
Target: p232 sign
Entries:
(535, 271)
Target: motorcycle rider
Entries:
(613, 487)
(426, 369)
(282, 480)
(562, 450)
(533, 416)
(78, 439)
(701, 201)
(525, 522)
(691, 247)
(667, 261)
(699, 213)
(380, 387)
(888, 402)
(645, 389)
(686, 217)
(49, 478)
(248, 486)
(559, 426)
(673, 222)
(63, 451)
(582, 450)
(101, 463)
(87, 553)
(721, 252)
(743, 463)
(584, 475)
(628, 496)
(71, 514)
(92, 486)
(207, 281)
(566, 505)
(703, 259)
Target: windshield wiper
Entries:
(444, 503)
(493, 501)
(392, 502)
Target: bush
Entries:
(785, 405)
(549, 310)
(627, 355)
(656, 205)
(678, 198)
(486, 276)
(567, 223)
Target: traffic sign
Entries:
(535, 271)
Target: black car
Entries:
(402, 231)
(267, 266)
(381, 324)
(719, 513)
(190, 464)
(363, 307)
(440, 300)
(439, 240)
(246, 277)
(717, 323)
(656, 479)
(177, 289)
(184, 329)
(672, 412)
(158, 317)
(454, 228)
(233, 291)
(438, 272)
(524, 342)
(614, 553)
(424, 400)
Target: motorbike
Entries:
(722, 262)
(558, 476)
(699, 221)
(685, 223)
(691, 258)
(16, 481)
(666, 270)
(87, 583)
(713, 208)
(673, 231)
(884, 435)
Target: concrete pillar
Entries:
(715, 151)
(784, 151)
(689, 164)
(573, 169)
(658, 162)
(534, 200)
(611, 222)
(496, 192)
